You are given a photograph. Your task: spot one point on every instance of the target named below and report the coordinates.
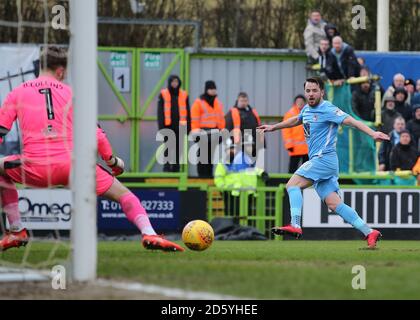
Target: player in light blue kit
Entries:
(320, 121)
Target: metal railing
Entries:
(261, 209)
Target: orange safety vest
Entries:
(294, 137)
(182, 106)
(236, 119)
(204, 116)
(416, 168)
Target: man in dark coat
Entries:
(172, 120)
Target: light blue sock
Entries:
(351, 216)
(296, 201)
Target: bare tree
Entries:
(226, 23)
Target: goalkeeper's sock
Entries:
(9, 200)
(136, 213)
(350, 216)
(296, 200)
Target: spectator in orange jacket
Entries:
(416, 170)
(207, 117)
(294, 138)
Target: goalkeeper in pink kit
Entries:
(44, 109)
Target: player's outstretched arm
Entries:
(289, 123)
(376, 135)
(105, 151)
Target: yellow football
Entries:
(198, 235)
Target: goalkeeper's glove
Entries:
(116, 164)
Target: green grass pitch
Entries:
(261, 269)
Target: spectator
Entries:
(362, 62)
(364, 71)
(398, 82)
(416, 170)
(294, 138)
(207, 118)
(242, 117)
(401, 106)
(416, 97)
(328, 63)
(410, 87)
(363, 101)
(389, 114)
(386, 146)
(404, 154)
(344, 63)
(313, 34)
(324, 55)
(173, 112)
(331, 31)
(414, 125)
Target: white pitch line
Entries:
(20, 275)
(165, 291)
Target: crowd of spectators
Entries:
(400, 106)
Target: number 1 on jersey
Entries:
(48, 102)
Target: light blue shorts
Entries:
(323, 171)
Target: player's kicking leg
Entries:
(294, 188)
(334, 203)
(16, 236)
(136, 214)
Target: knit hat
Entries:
(401, 90)
(299, 96)
(210, 84)
(415, 107)
(405, 131)
(410, 81)
(389, 98)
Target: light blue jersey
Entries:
(320, 125)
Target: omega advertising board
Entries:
(43, 209)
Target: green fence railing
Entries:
(262, 209)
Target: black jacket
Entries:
(331, 68)
(363, 103)
(414, 127)
(331, 26)
(403, 157)
(388, 117)
(404, 109)
(385, 151)
(350, 66)
(384, 154)
(248, 121)
(174, 110)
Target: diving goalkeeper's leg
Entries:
(136, 214)
(16, 236)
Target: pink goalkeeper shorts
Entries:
(50, 175)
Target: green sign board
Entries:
(152, 60)
(118, 59)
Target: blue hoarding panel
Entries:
(162, 206)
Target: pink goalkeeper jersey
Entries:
(44, 110)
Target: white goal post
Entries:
(83, 53)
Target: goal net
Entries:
(60, 219)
